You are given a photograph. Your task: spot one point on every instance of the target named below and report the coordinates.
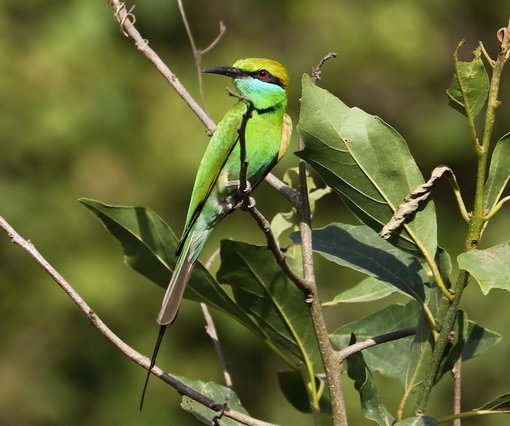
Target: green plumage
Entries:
(215, 191)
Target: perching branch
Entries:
(377, 340)
(127, 350)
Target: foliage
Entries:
(369, 166)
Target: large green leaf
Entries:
(470, 85)
(216, 392)
(372, 406)
(490, 267)
(360, 248)
(262, 289)
(387, 358)
(499, 172)
(366, 162)
(149, 247)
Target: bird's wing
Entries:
(221, 145)
(286, 132)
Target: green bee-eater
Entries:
(215, 193)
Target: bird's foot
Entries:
(241, 192)
(248, 203)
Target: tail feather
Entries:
(175, 289)
(191, 249)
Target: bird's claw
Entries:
(248, 203)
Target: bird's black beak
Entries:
(228, 71)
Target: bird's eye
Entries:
(263, 73)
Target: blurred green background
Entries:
(84, 114)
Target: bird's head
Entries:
(264, 81)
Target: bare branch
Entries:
(127, 350)
(457, 391)
(272, 245)
(210, 329)
(126, 20)
(377, 340)
(197, 53)
(316, 71)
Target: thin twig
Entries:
(457, 391)
(272, 244)
(210, 329)
(127, 350)
(197, 53)
(377, 340)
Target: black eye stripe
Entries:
(270, 78)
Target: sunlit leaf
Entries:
(216, 392)
(490, 267)
(360, 248)
(367, 290)
(372, 406)
(470, 85)
(499, 172)
(366, 162)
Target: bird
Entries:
(264, 82)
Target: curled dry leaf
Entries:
(412, 202)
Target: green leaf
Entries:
(490, 267)
(366, 162)
(263, 290)
(499, 173)
(367, 290)
(371, 403)
(386, 358)
(470, 85)
(478, 340)
(500, 403)
(418, 421)
(360, 248)
(218, 393)
(293, 388)
(149, 247)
